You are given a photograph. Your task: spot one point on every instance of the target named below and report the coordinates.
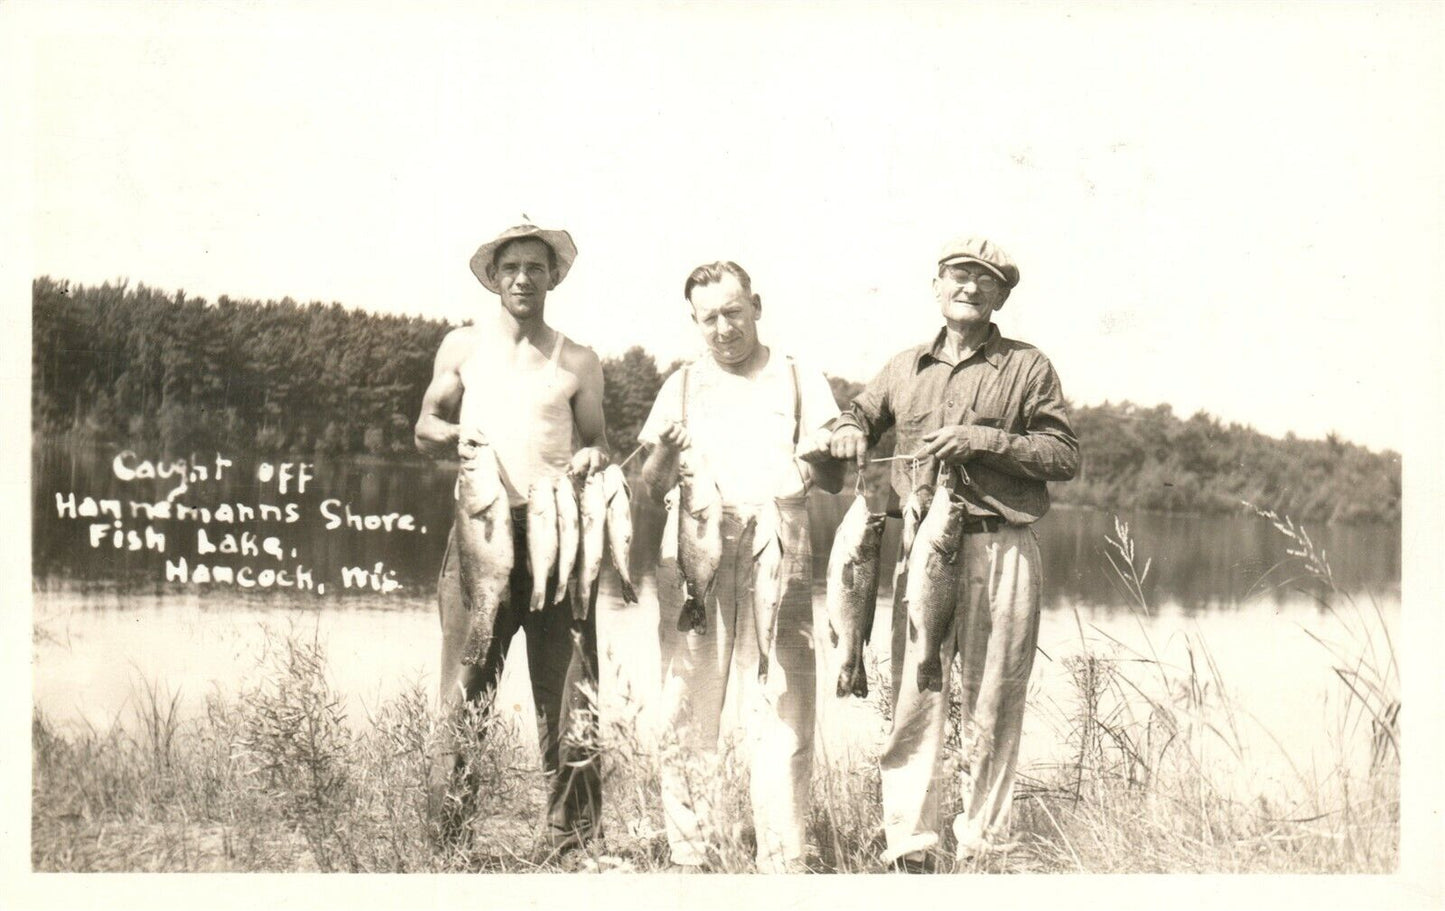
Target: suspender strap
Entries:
(684, 395)
(797, 402)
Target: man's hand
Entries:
(953, 444)
(848, 443)
(470, 436)
(815, 448)
(674, 436)
(589, 459)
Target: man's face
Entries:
(524, 276)
(728, 318)
(968, 294)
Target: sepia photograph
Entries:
(954, 450)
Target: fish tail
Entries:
(629, 593)
(763, 668)
(581, 601)
(691, 617)
(930, 676)
(853, 678)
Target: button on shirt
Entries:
(1008, 391)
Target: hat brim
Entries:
(560, 242)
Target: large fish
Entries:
(484, 542)
(853, 570)
(594, 542)
(699, 539)
(932, 591)
(619, 527)
(767, 550)
(541, 537)
(569, 535)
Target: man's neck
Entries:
(750, 366)
(962, 341)
(534, 330)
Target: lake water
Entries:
(106, 619)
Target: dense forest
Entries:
(119, 363)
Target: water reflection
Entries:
(1196, 562)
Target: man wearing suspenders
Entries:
(535, 397)
(744, 410)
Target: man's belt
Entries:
(983, 524)
(980, 525)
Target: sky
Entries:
(1228, 207)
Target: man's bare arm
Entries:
(591, 422)
(659, 472)
(436, 433)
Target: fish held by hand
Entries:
(852, 593)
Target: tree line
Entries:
(117, 363)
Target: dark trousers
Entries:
(562, 659)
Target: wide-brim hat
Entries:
(984, 252)
(560, 242)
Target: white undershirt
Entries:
(743, 426)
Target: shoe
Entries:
(551, 847)
(906, 864)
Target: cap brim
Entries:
(973, 259)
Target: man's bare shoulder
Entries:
(457, 346)
(578, 358)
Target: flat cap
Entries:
(560, 242)
(984, 252)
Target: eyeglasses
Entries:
(960, 274)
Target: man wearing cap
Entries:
(991, 411)
(536, 397)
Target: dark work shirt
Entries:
(1008, 391)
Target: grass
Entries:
(1156, 774)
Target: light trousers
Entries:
(995, 630)
(778, 717)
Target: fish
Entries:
(767, 551)
(932, 590)
(541, 537)
(912, 515)
(569, 535)
(619, 528)
(594, 542)
(669, 540)
(699, 539)
(852, 595)
(483, 524)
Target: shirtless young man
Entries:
(535, 397)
